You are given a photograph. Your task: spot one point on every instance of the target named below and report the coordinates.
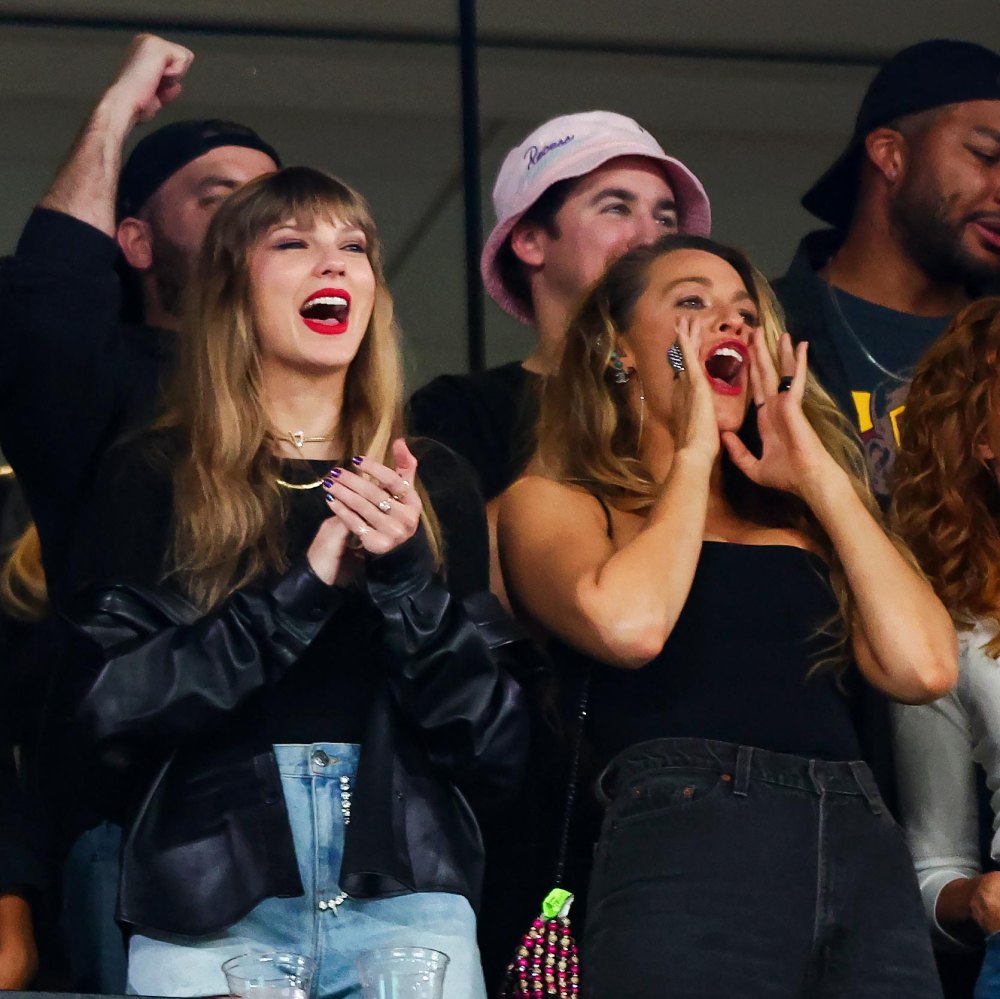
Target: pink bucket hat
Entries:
(571, 146)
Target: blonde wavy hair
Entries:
(946, 500)
(587, 433)
(229, 511)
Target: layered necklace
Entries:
(299, 439)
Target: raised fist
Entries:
(150, 76)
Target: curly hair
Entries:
(946, 501)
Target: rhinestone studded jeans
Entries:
(325, 924)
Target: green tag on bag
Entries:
(557, 903)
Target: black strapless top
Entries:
(737, 666)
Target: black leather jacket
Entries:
(208, 836)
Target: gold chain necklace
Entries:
(298, 438)
(299, 485)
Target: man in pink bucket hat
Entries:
(576, 194)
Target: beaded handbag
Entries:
(547, 961)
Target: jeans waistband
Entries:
(317, 759)
(741, 764)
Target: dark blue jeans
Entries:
(988, 985)
(725, 871)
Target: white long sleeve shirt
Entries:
(937, 747)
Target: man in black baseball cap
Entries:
(168, 190)
(73, 377)
(914, 202)
(69, 369)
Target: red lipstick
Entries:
(725, 365)
(327, 311)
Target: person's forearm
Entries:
(87, 182)
(906, 627)
(18, 956)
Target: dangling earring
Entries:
(642, 413)
(621, 375)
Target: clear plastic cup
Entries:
(270, 975)
(403, 973)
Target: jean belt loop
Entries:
(817, 784)
(866, 783)
(744, 756)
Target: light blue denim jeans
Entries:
(322, 924)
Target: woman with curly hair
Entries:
(700, 542)
(947, 506)
(292, 709)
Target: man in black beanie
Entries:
(72, 376)
(914, 202)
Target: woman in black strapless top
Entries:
(705, 545)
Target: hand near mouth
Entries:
(693, 423)
(792, 458)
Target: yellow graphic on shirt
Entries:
(863, 405)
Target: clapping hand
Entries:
(377, 504)
(375, 509)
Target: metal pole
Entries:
(468, 54)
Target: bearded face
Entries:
(946, 208)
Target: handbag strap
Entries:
(581, 722)
(573, 779)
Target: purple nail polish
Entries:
(335, 473)
(328, 483)
(357, 459)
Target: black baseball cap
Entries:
(924, 76)
(159, 155)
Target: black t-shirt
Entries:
(879, 349)
(326, 696)
(488, 418)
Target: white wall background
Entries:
(757, 97)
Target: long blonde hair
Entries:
(946, 500)
(229, 511)
(587, 433)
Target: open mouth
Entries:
(327, 311)
(725, 366)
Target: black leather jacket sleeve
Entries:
(445, 673)
(169, 674)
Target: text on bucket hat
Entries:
(159, 155)
(567, 147)
(927, 75)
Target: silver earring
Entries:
(675, 358)
(642, 413)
